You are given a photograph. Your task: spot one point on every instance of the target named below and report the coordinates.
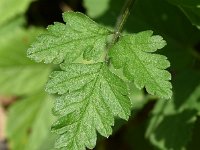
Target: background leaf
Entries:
(12, 8)
(19, 75)
(31, 128)
(190, 8)
(97, 8)
(180, 112)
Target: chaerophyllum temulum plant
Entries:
(91, 93)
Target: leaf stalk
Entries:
(125, 12)
(121, 20)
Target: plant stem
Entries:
(121, 20)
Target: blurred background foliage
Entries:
(25, 109)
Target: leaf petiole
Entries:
(121, 20)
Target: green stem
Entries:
(120, 24)
(122, 19)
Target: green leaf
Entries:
(190, 8)
(179, 113)
(185, 2)
(96, 7)
(170, 128)
(49, 142)
(91, 96)
(29, 122)
(133, 53)
(19, 75)
(193, 13)
(194, 143)
(79, 36)
(189, 99)
(174, 131)
(11, 8)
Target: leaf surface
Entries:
(90, 97)
(134, 53)
(79, 36)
